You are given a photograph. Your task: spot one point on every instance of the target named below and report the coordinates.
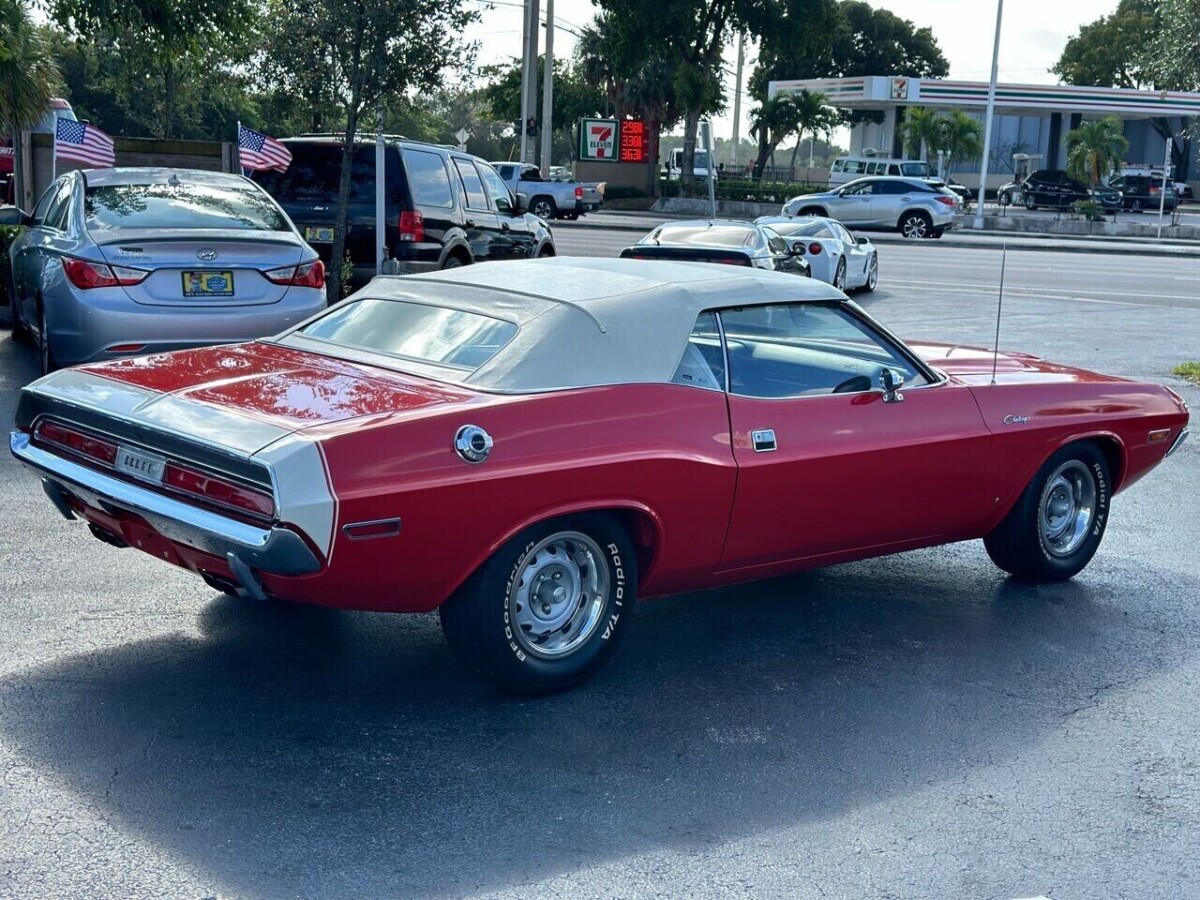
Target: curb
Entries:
(1014, 240)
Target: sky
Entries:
(1031, 40)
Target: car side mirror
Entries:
(14, 217)
(522, 203)
(890, 382)
(861, 241)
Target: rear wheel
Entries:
(1030, 202)
(916, 225)
(545, 612)
(872, 275)
(45, 351)
(543, 208)
(452, 262)
(1057, 523)
(19, 332)
(839, 276)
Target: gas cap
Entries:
(473, 443)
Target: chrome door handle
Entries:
(763, 440)
(504, 226)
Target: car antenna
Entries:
(999, 307)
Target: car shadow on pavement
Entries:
(291, 751)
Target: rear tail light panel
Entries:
(815, 249)
(309, 274)
(214, 491)
(86, 275)
(946, 201)
(412, 226)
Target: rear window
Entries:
(802, 229)
(181, 205)
(719, 236)
(315, 172)
(428, 179)
(414, 331)
(916, 169)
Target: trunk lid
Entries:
(198, 268)
(239, 398)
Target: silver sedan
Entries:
(834, 255)
(127, 261)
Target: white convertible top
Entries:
(590, 322)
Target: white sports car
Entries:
(833, 254)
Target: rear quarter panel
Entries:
(658, 452)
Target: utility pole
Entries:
(737, 99)
(547, 131)
(529, 46)
(988, 117)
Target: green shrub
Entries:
(1190, 371)
(749, 191)
(622, 192)
(1089, 210)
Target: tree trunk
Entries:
(795, 150)
(334, 288)
(168, 99)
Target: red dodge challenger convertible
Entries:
(530, 459)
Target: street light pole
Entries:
(546, 130)
(737, 99)
(987, 119)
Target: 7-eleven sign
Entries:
(598, 139)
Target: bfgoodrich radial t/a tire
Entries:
(547, 609)
(1057, 523)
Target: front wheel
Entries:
(1057, 523)
(546, 611)
(1030, 202)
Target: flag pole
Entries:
(237, 149)
(53, 152)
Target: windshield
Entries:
(429, 334)
(702, 235)
(183, 205)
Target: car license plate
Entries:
(319, 234)
(141, 465)
(208, 284)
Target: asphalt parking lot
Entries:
(916, 726)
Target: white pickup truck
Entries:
(550, 199)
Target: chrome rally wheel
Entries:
(1056, 525)
(558, 594)
(872, 274)
(547, 609)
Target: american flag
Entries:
(257, 151)
(83, 143)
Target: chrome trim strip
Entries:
(1178, 442)
(276, 550)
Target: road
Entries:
(914, 726)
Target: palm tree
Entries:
(28, 72)
(811, 115)
(1096, 149)
(962, 138)
(922, 127)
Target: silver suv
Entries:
(916, 208)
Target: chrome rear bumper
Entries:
(278, 551)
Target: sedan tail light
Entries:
(412, 226)
(948, 201)
(218, 491)
(310, 274)
(86, 275)
(815, 249)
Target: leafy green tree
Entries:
(1110, 52)
(1172, 54)
(368, 52)
(921, 132)
(166, 47)
(962, 138)
(813, 114)
(1095, 149)
(29, 74)
(869, 41)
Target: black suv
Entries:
(1058, 190)
(444, 208)
(1145, 192)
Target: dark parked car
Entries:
(444, 208)
(1140, 192)
(1055, 189)
(719, 241)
